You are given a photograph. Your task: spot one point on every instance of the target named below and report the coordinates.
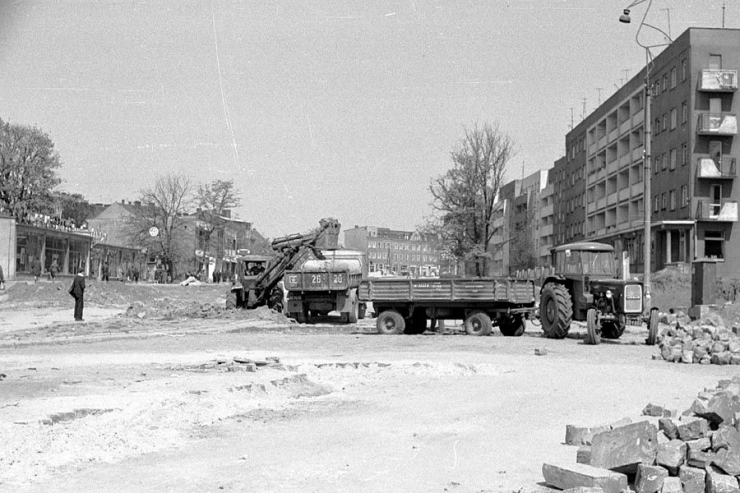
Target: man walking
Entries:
(77, 290)
(35, 268)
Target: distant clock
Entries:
(153, 231)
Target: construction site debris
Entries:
(705, 341)
(564, 476)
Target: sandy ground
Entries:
(122, 403)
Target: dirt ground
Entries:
(150, 394)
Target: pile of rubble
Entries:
(705, 341)
(697, 452)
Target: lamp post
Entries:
(647, 148)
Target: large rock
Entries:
(720, 409)
(672, 455)
(726, 437)
(672, 485)
(668, 427)
(693, 479)
(583, 455)
(720, 483)
(728, 461)
(581, 475)
(699, 458)
(693, 429)
(649, 479)
(576, 435)
(622, 449)
(700, 444)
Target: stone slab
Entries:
(564, 476)
(622, 449)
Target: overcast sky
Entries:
(314, 108)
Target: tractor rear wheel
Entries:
(478, 323)
(614, 330)
(652, 338)
(512, 325)
(231, 300)
(556, 310)
(592, 327)
(390, 322)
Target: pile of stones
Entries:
(697, 452)
(705, 341)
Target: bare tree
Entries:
(464, 198)
(523, 254)
(215, 201)
(160, 223)
(28, 166)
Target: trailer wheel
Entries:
(614, 330)
(652, 327)
(512, 325)
(594, 336)
(390, 322)
(231, 300)
(478, 323)
(556, 310)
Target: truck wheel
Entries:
(614, 330)
(512, 326)
(231, 300)
(478, 323)
(362, 311)
(594, 336)
(390, 322)
(652, 338)
(556, 310)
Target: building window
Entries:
(656, 165)
(673, 159)
(672, 199)
(684, 70)
(665, 161)
(665, 82)
(684, 154)
(684, 196)
(715, 198)
(673, 119)
(714, 244)
(665, 123)
(684, 112)
(673, 77)
(656, 127)
(656, 205)
(665, 201)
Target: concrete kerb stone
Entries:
(565, 476)
(623, 448)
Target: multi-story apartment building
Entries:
(545, 235)
(394, 251)
(598, 185)
(517, 221)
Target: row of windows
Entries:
(669, 79)
(399, 246)
(669, 120)
(401, 256)
(667, 200)
(668, 160)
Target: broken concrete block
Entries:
(671, 455)
(251, 367)
(728, 461)
(726, 437)
(540, 352)
(722, 358)
(584, 489)
(649, 479)
(583, 455)
(669, 427)
(692, 479)
(652, 410)
(575, 475)
(698, 458)
(687, 356)
(691, 430)
(699, 445)
(671, 485)
(670, 413)
(720, 483)
(622, 449)
(621, 422)
(576, 435)
(720, 408)
(698, 407)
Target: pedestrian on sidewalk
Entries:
(54, 269)
(105, 271)
(35, 268)
(77, 290)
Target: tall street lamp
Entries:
(647, 158)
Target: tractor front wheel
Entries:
(614, 330)
(652, 338)
(556, 310)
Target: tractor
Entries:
(585, 287)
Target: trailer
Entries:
(318, 287)
(404, 305)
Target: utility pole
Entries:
(583, 114)
(668, 13)
(723, 15)
(571, 118)
(598, 90)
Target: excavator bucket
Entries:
(329, 236)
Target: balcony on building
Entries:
(718, 80)
(722, 169)
(717, 124)
(725, 211)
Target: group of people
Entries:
(131, 274)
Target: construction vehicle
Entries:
(585, 287)
(258, 283)
(404, 305)
(320, 286)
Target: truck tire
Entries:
(231, 300)
(556, 310)
(614, 330)
(652, 337)
(390, 322)
(361, 311)
(512, 325)
(594, 336)
(478, 323)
